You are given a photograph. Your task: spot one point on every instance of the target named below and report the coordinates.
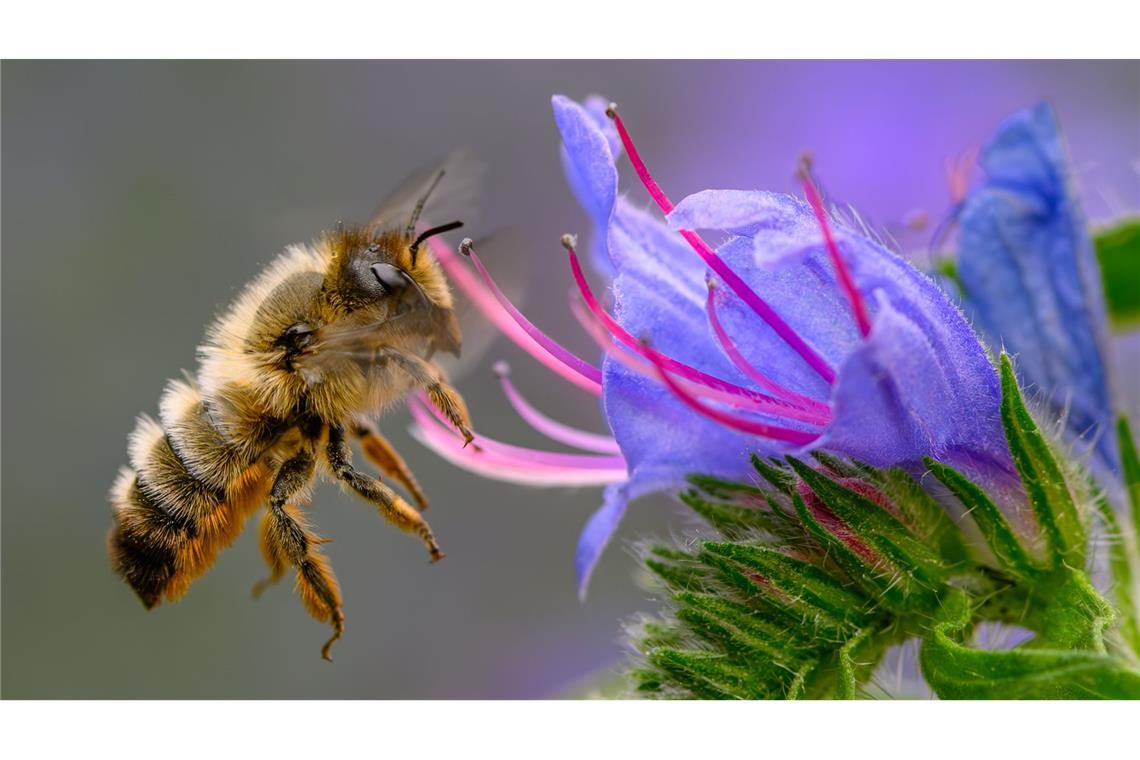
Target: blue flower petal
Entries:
(895, 399)
(1030, 276)
(587, 159)
(597, 533)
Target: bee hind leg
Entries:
(381, 453)
(287, 540)
(392, 507)
(271, 552)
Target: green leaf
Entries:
(1010, 554)
(1118, 252)
(956, 671)
(1041, 476)
(948, 268)
(1130, 464)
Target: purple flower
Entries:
(1030, 277)
(799, 332)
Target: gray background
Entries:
(139, 197)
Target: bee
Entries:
(326, 338)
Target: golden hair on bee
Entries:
(326, 338)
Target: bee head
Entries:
(388, 271)
(378, 276)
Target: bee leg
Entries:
(392, 507)
(277, 562)
(430, 379)
(448, 401)
(289, 541)
(380, 452)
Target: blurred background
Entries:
(139, 197)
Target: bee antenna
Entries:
(420, 206)
(429, 233)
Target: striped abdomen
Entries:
(185, 496)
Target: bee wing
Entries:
(454, 198)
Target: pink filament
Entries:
(523, 454)
(504, 315)
(750, 371)
(512, 463)
(846, 283)
(738, 395)
(752, 427)
(717, 264)
(552, 429)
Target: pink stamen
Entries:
(552, 429)
(846, 283)
(523, 454)
(752, 427)
(528, 470)
(738, 396)
(504, 315)
(717, 264)
(787, 394)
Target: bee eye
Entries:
(391, 278)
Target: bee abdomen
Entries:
(173, 506)
(144, 539)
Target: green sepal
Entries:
(1041, 475)
(807, 584)
(676, 569)
(1002, 541)
(710, 676)
(847, 686)
(738, 521)
(1067, 611)
(877, 528)
(1120, 563)
(801, 613)
(741, 633)
(956, 671)
(879, 579)
(782, 480)
(1118, 252)
(721, 488)
(840, 467)
(924, 514)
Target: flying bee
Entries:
(329, 335)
